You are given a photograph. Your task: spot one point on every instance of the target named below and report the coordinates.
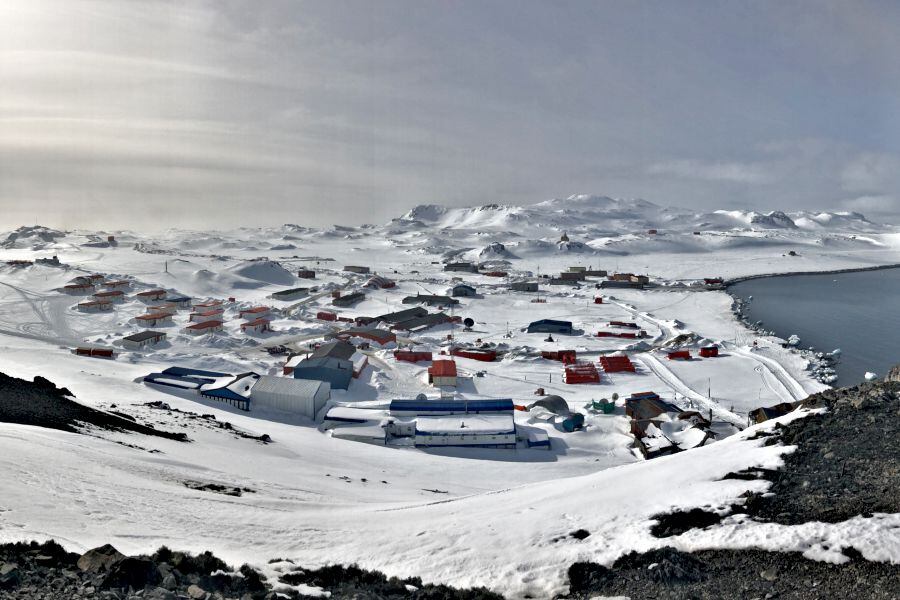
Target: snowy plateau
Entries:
(501, 518)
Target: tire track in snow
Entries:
(794, 389)
(655, 366)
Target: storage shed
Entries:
(564, 356)
(300, 396)
(524, 286)
(381, 337)
(462, 290)
(306, 274)
(356, 269)
(180, 302)
(709, 351)
(430, 300)
(486, 355)
(581, 373)
(412, 355)
(379, 282)
(349, 299)
(550, 326)
(461, 267)
(143, 339)
(290, 294)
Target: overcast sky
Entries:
(222, 113)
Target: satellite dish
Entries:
(421, 398)
(468, 322)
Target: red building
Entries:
(680, 355)
(709, 351)
(564, 356)
(616, 364)
(475, 354)
(581, 373)
(412, 355)
(442, 372)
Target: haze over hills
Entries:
(587, 212)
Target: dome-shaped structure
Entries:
(554, 404)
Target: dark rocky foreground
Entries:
(42, 404)
(847, 463)
(47, 572)
(668, 574)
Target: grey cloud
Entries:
(335, 110)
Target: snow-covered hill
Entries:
(500, 518)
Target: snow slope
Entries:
(499, 518)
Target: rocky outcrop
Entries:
(669, 574)
(845, 465)
(43, 404)
(47, 572)
(99, 560)
(893, 375)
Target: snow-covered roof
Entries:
(466, 424)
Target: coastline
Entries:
(826, 367)
(736, 280)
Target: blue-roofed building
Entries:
(176, 381)
(450, 407)
(336, 371)
(551, 326)
(234, 391)
(179, 301)
(462, 289)
(187, 372)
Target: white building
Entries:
(481, 430)
(209, 315)
(95, 306)
(154, 320)
(301, 396)
(203, 327)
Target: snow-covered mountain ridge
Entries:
(625, 215)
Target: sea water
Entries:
(856, 312)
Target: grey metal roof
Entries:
(402, 315)
(423, 322)
(288, 385)
(335, 349)
(144, 335)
